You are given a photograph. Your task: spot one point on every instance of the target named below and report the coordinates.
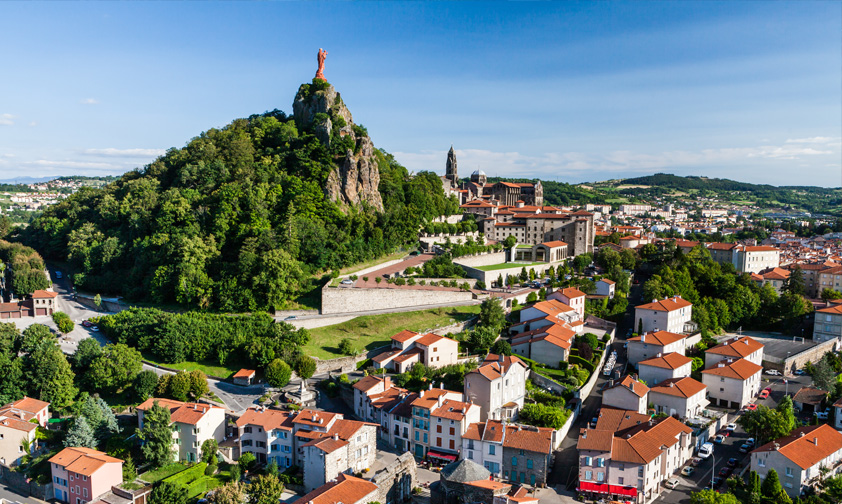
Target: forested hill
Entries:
(237, 220)
(702, 183)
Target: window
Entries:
(439, 420)
(84, 478)
(789, 472)
(532, 479)
(722, 379)
(425, 437)
(761, 462)
(788, 484)
(621, 480)
(600, 476)
(514, 461)
(452, 431)
(640, 472)
(416, 435)
(588, 475)
(470, 455)
(438, 429)
(588, 461)
(85, 493)
(491, 449)
(600, 462)
(529, 463)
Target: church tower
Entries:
(450, 173)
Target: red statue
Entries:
(320, 74)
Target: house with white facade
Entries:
(753, 259)
(544, 313)
(605, 287)
(732, 383)
(365, 390)
(668, 314)
(409, 347)
(649, 345)
(28, 409)
(548, 345)
(631, 464)
(837, 419)
(192, 423)
(684, 397)
(742, 347)
(799, 458)
(776, 277)
(828, 324)
(497, 387)
(572, 297)
(627, 394)
(664, 367)
(483, 444)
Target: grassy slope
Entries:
(372, 331)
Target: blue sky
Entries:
(553, 90)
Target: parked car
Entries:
(764, 394)
(88, 323)
(822, 415)
(414, 253)
(725, 472)
(688, 471)
(719, 439)
(747, 445)
(95, 328)
(672, 483)
(58, 274)
(800, 372)
(731, 427)
(291, 317)
(724, 432)
(751, 407)
(773, 372)
(347, 281)
(695, 461)
(706, 451)
(732, 462)
(716, 482)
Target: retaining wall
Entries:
(799, 360)
(562, 433)
(586, 389)
(491, 276)
(335, 300)
(19, 483)
(544, 382)
(481, 259)
(375, 267)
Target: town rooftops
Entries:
(427, 398)
(661, 338)
(607, 281)
(761, 248)
(721, 246)
(737, 347)
(344, 489)
(314, 418)
(667, 304)
(369, 382)
(680, 387)
(43, 294)
(452, 410)
(180, 412)
(628, 383)
(327, 444)
(27, 404)
(554, 244)
(84, 461)
(646, 444)
(613, 419)
(491, 431)
(596, 440)
(552, 307)
(809, 395)
(529, 438)
(832, 310)
(431, 339)
(404, 336)
(740, 369)
(672, 360)
(17, 423)
(269, 419)
(571, 292)
(806, 446)
(504, 361)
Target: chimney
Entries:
(745, 341)
(439, 401)
(335, 436)
(431, 386)
(659, 354)
(672, 384)
(802, 434)
(631, 386)
(421, 394)
(816, 441)
(500, 358)
(643, 338)
(720, 364)
(654, 300)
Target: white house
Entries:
(193, 424)
(664, 367)
(627, 394)
(684, 397)
(743, 347)
(732, 382)
(837, 423)
(363, 391)
(497, 387)
(799, 457)
(572, 297)
(409, 347)
(668, 314)
(545, 313)
(483, 443)
(548, 345)
(752, 259)
(649, 345)
(605, 287)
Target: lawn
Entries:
(207, 367)
(493, 267)
(161, 473)
(372, 331)
(373, 262)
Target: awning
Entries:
(621, 490)
(442, 456)
(586, 486)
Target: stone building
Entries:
(527, 454)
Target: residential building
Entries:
(776, 277)
(410, 347)
(732, 382)
(44, 302)
(800, 457)
(267, 433)
(15, 431)
(26, 409)
(632, 463)
(664, 367)
(346, 489)
(497, 387)
(605, 287)
(572, 297)
(447, 424)
(527, 454)
(364, 389)
(483, 444)
(649, 345)
(548, 344)
(830, 278)
(545, 313)
(742, 347)
(466, 481)
(757, 258)
(193, 424)
(669, 314)
(324, 458)
(837, 418)
(626, 394)
(828, 324)
(682, 397)
(809, 399)
(80, 475)
(244, 377)
(424, 441)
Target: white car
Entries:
(731, 427)
(347, 281)
(671, 484)
(706, 451)
(773, 372)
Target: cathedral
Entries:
(501, 193)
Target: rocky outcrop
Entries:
(355, 177)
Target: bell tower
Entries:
(450, 172)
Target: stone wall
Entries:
(339, 365)
(19, 483)
(544, 382)
(799, 360)
(491, 276)
(456, 328)
(481, 259)
(396, 481)
(586, 389)
(335, 300)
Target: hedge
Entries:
(188, 475)
(202, 485)
(584, 363)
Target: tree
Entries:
(481, 339)
(833, 488)
(50, 377)
(346, 346)
(81, 434)
(157, 436)
(115, 369)
(305, 367)
(98, 301)
(33, 336)
(491, 314)
(524, 276)
(712, 497)
(501, 347)
(230, 493)
(144, 384)
(532, 297)
(278, 373)
(166, 492)
(510, 242)
(87, 351)
(771, 486)
(828, 294)
(63, 322)
(129, 470)
(179, 386)
(247, 460)
(499, 281)
(786, 410)
(795, 283)
(198, 384)
(823, 375)
(766, 423)
(265, 489)
(209, 449)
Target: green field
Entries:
(161, 473)
(209, 368)
(494, 267)
(372, 331)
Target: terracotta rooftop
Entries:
(679, 387)
(42, 294)
(552, 307)
(667, 304)
(367, 383)
(452, 410)
(84, 461)
(404, 336)
(737, 347)
(672, 360)
(430, 339)
(327, 444)
(244, 373)
(528, 438)
(662, 338)
(628, 383)
(553, 244)
(346, 489)
(832, 310)
(806, 446)
(29, 405)
(612, 419)
(810, 395)
(269, 419)
(740, 369)
(315, 418)
(571, 292)
(597, 440)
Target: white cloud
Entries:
(89, 101)
(111, 152)
(33, 123)
(74, 164)
(814, 140)
(7, 119)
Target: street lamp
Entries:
(712, 470)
